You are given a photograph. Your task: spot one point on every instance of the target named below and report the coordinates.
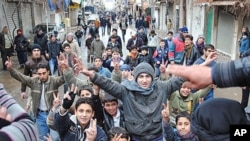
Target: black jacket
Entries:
(21, 43)
(2, 43)
(79, 34)
(42, 40)
(109, 122)
(145, 58)
(54, 49)
(118, 39)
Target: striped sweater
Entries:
(22, 128)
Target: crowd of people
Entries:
(154, 93)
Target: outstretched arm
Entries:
(22, 127)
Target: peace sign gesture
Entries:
(165, 112)
(91, 132)
(56, 101)
(8, 63)
(163, 65)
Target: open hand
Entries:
(91, 131)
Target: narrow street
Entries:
(13, 86)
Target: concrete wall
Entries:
(3, 20)
(26, 18)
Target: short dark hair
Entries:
(133, 47)
(162, 40)
(87, 88)
(170, 32)
(189, 36)
(85, 100)
(115, 49)
(209, 46)
(117, 131)
(42, 66)
(182, 114)
(66, 45)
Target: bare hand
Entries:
(8, 64)
(117, 137)
(197, 76)
(48, 138)
(91, 132)
(56, 101)
(23, 96)
(80, 68)
(163, 66)
(213, 56)
(116, 66)
(62, 62)
(4, 114)
(27, 108)
(96, 89)
(165, 112)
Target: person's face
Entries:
(111, 108)
(6, 30)
(188, 41)
(144, 80)
(53, 38)
(200, 40)
(208, 51)
(40, 32)
(43, 74)
(134, 50)
(97, 38)
(67, 49)
(115, 55)
(113, 40)
(144, 52)
(183, 126)
(133, 37)
(114, 32)
(85, 93)
(185, 92)
(109, 52)
(98, 63)
(184, 33)
(244, 30)
(36, 53)
(162, 44)
(169, 36)
(69, 38)
(84, 113)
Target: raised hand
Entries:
(8, 64)
(69, 97)
(91, 132)
(163, 66)
(117, 137)
(80, 68)
(165, 112)
(23, 96)
(116, 66)
(62, 62)
(56, 101)
(213, 56)
(4, 115)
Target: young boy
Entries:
(144, 56)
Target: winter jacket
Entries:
(70, 130)
(88, 42)
(131, 62)
(103, 22)
(139, 42)
(176, 51)
(153, 41)
(118, 39)
(143, 36)
(244, 46)
(142, 112)
(232, 73)
(79, 34)
(74, 48)
(138, 23)
(195, 54)
(97, 48)
(159, 54)
(172, 135)
(21, 43)
(31, 65)
(115, 45)
(42, 40)
(145, 58)
(110, 65)
(21, 127)
(104, 72)
(145, 24)
(179, 104)
(50, 86)
(54, 49)
(109, 121)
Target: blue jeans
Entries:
(103, 30)
(52, 65)
(22, 57)
(79, 40)
(43, 128)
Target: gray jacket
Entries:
(142, 112)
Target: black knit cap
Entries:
(36, 46)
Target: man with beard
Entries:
(5, 45)
(41, 39)
(118, 38)
(21, 44)
(31, 64)
(176, 52)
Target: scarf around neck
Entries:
(133, 86)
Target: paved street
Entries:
(13, 86)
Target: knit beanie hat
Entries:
(107, 97)
(36, 46)
(143, 67)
